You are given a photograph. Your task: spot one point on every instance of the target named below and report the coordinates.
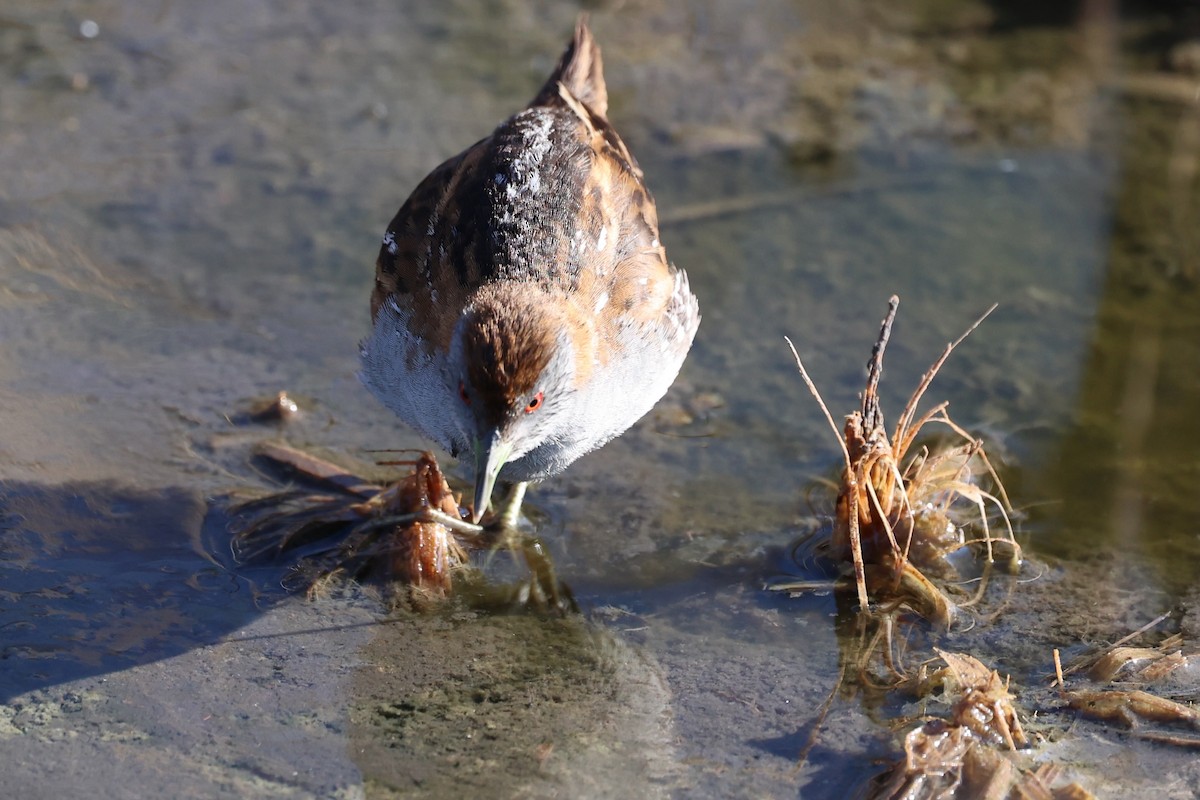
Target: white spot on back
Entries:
(602, 239)
(524, 175)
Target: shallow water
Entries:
(191, 207)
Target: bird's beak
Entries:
(491, 453)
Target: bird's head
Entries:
(512, 365)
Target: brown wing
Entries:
(420, 239)
(623, 262)
(552, 196)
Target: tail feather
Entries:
(581, 71)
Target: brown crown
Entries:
(506, 352)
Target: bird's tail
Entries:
(581, 71)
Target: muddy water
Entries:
(192, 198)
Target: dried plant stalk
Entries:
(891, 523)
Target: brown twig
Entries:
(872, 414)
(904, 435)
(1088, 662)
(315, 469)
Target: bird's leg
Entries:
(543, 588)
(510, 512)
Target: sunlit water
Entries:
(192, 201)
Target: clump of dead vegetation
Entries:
(902, 511)
(402, 535)
(972, 751)
(911, 516)
(409, 536)
(1143, 689)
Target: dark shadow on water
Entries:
(825, 767)
(99, 577)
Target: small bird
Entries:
(524, 311)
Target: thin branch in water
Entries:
(1088, 662)
(812, 388)
(927, 378)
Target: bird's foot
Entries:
(540, 591)
(543, 589)
(503, 531)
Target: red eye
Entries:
(534, 403)
(462, 392)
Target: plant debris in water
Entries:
(400, 535)
(1134, 687)
(901, 511)
(971, 753)
(275, 410)
(409, 536)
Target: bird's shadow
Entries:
(99, 577)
